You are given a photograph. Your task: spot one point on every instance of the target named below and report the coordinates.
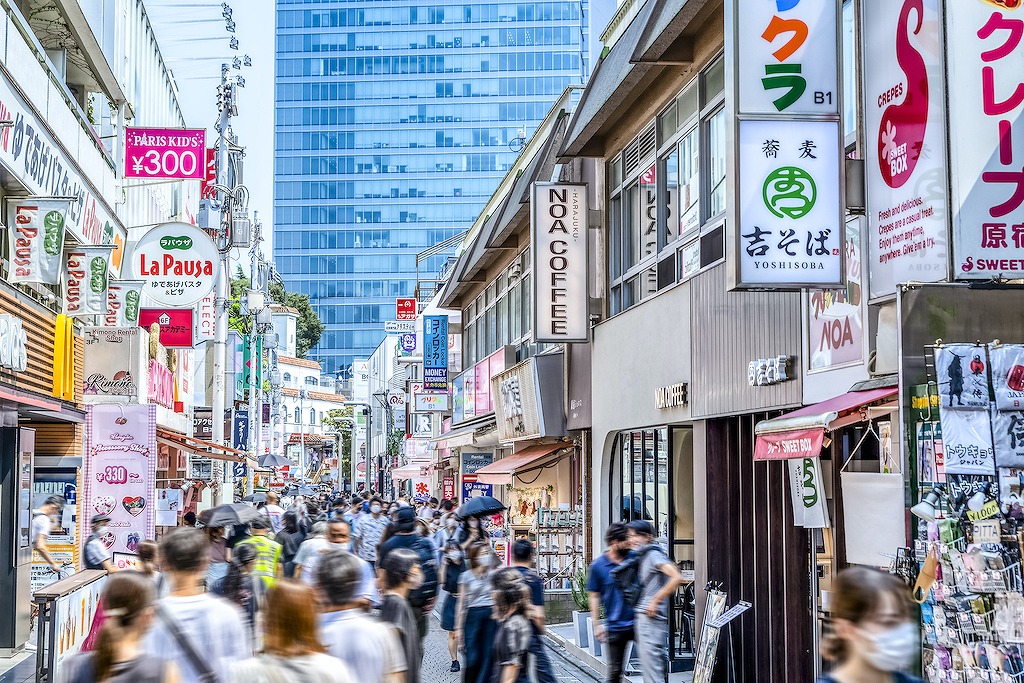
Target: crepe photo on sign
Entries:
(1007, 375)
(963, 377)
(1008, 433)
(967, 440)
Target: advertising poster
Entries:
(64, 554)
(967, 441)
(472, 489)
(986, 127)
(448, 488)
(112, 363)
(835, 317)
(124, 299)
(168, 505)
(1007, 375)
(85, 280)
(171, 153)
(61, 482)
(962, 378)
(119, 472)
(905, 127)
(36, 239)
(471, 462)
(74, 613)
(420, 486)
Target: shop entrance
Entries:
(652, 479)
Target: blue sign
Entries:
(471, 462)
(435, 352)
(408, 341)
(472, 489)
(240, 430)
(238, 469)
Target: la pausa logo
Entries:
(169, 264)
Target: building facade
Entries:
(394, 124)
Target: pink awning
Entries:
(412, 471)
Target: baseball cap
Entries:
(96, 519)
(406, 515)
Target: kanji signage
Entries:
(560, 245)
(786, 203)
(35, 241)
(986, 118)
(405, 309)
(172, 153)
(206, 187)
(240, 430)
(905, 155)
(786, 56)
(178, 263)
(790, 211)
(175, 325)
(435, 352)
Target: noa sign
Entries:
(173, 153)
(178, 264)
(560, 262)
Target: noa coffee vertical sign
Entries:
(560, 262)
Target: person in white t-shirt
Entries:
(191, 618)
(42, 522)
(333, 536)
(274, 511)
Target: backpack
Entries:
(427, 591)
(627, 576)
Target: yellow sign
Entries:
(990, 509)
(64, 358)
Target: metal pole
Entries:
(220, 339)
(302, 435)
(255, 359)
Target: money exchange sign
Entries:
(435, 352)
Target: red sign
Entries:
(161, 385)
(206, 190)
(405, 309)
(173, 153)
(448, 488)
(175, 325)
(800, 443)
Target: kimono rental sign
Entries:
(119, 473)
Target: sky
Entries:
(194, 43)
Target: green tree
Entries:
(334, 422)
(308, 328)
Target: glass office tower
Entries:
(394, 122)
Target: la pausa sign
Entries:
(177, 262)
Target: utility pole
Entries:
(225, 103)
(257, 302)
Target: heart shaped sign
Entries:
(108, 539)
(103, 505)
(135, 505)
(131, 542)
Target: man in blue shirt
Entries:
(618, 628)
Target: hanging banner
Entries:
(435, 352)
(1007, 375)
(560, 237)
(172, 153)
(124, 299)
(962, 377)
(807, 490)
(119, 473)
(800, 443)
(86, 280)
(1008, 433)
(36, 239)
(905, 166)
(835, 317)
(178, 262)
(986, 126)
(967, 441)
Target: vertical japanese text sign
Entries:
(786, 208)
(435, 352)
(560, 263)
(986, 124)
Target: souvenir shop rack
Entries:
(558, 538)
(967, 429)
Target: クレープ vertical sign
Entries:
(560, 261)
(435, 352)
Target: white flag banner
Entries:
(963, 377)
(36, 239)
(85, 280)
(810, 509)
(967, 441)
(124, 299)
(1008, 375)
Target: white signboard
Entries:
(905, 158)
(786, 57)
(835, 317)
(432, 403)
(35, 241)
(85, 280)
(986, 119)
(790, 206)
(399, 326)
(13, 343)
(178, 263)
(560, 261)
(206, 319)
(124, 299)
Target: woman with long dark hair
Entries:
(474, 627)
(117, 657)
(292, 650)
(241, 587)
(512, 638)
(452, 567)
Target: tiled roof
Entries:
(300, 362)
(315, 395)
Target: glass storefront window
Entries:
(669, 220)
(716, 162)
(689, 182)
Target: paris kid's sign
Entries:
(177, 262)
(560, 262)
(172, 153)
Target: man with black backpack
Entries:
(405, 536)
(604, 590)
(657, 578)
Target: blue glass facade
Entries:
(394, 123)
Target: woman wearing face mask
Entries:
(471, 532)
(474, 628)
(452, 567)
(873, 637)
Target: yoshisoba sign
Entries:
(177, 262)
(785, 179)
(560, 240)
